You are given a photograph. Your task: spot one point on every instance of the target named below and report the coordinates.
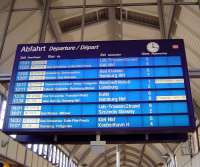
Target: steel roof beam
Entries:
(55, 29)
(144, 156)
(171, 20)
(126, 147)
(107, 5)
(197, 109)
(74, 150)
(95, 161)
(113, 27)
(149, 163)
(45, 15)
(166, 146)
(7, 23)
(105, 160)
(127, 153)
(124, 5)
(161, 19)
(141, 155)
(156, 151)
(83, 20)
(127, 160)
(84, 156)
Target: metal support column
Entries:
(45, 17)
(121, 20)
(83, 21)
(171, 22)
(114, 27)
(53, 25)
(199, 4)
(5, 31)
(161, 19)
(117, 156)
(197, 135)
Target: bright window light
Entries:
(13, 136)
(2, 113)
(29, 145)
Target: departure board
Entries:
(100, 86)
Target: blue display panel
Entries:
(100, 86)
